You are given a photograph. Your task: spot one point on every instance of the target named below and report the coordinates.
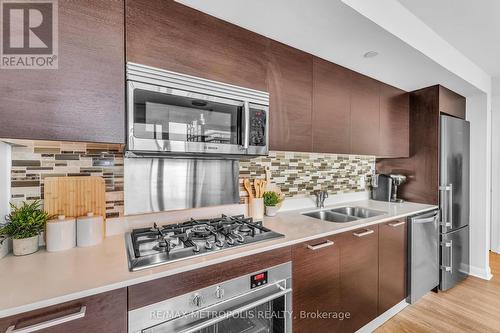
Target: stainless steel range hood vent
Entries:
(161, 184)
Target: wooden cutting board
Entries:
(75, 196)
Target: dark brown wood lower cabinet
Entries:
(316, 285)
(359, 277)
(106, 312)
(392, 264)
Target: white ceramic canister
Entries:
(89, 230)
(61, 234)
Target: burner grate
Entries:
(172, 242)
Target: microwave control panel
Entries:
(258, 123)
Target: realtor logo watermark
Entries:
(29, 34)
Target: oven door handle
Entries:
(246, 119)
(237, 311)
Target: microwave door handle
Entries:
(246, 117)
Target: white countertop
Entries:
(43, 279)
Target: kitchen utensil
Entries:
(89, 230)
(75, 196)
(61, 234)
(260, 186)
(263, 185)
(248, 187)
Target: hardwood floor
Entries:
(472, 306)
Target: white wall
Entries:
(479, 115)
(5, 163)
(495, 177)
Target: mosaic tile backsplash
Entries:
(300, 174)
(297, 174)
(33, 163)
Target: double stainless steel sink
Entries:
(344, 214)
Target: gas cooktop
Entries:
(148, 247)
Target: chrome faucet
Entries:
(320, 198)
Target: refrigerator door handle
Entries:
(448, 268)
(446, 206)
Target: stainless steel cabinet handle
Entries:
(396, 224)
(320, 246)
(450, 205)
(446, 205)
(246, 116)
(426, 220)
(362, 234)
(449, 268)
(48, 323)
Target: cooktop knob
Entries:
(219, 292)
(197, 300)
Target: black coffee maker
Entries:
(382, 187)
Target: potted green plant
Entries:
(272, 201)
(24, 225)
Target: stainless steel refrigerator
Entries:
(454, 200)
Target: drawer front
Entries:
(106, 312)
(392, 264)
(359, 276)
(316, 285)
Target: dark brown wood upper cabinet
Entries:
(422, 167)
(105, 312)
(394, 138)
(84, 99)
(365, 114)
(290, 86)
(168, 35)
(316, 284)
(451, 103)
(392, 264)
(331, 125)
(359, 277)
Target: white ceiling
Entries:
(472, 27)
(334, 31)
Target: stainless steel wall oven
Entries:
(254, 303)
(172, 113)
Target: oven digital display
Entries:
(258, 280)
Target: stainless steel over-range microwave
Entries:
(178, 114)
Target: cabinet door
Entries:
(290, 86)
(394, 122)
(451, 103)
(169, 35)
(359, 277)
(331, 108)
(82, 100)
(392, 264)
(316, 285)
(365, 115)
(106, 312)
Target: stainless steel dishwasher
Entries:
(423, 254)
